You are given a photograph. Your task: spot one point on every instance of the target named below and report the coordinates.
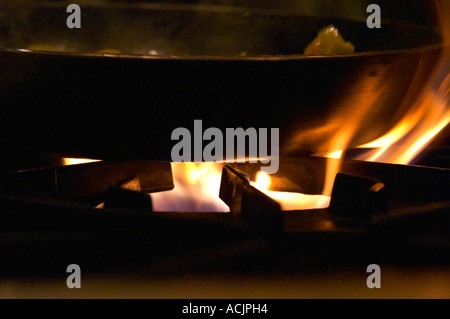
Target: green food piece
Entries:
(329, 41)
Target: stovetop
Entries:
(396, 216)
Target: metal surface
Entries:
(358, 199)
(407, 184)
(248, 203)
(86, 183)
(39, 237)
(228, 67)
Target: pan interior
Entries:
(193, 30)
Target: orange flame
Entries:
(426, 118)
(405, 141)
(411, 135)
(423, 121)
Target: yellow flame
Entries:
(196, 189)
(289, 200)
(417, 128)
(334, 154)
(262, 181)
(75, 161)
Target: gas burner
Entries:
(100, 215)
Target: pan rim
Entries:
(255, 58)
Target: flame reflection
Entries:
(288, 200)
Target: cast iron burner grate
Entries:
(384, 212)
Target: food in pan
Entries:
(329, 41)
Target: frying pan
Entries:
(171, 64)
